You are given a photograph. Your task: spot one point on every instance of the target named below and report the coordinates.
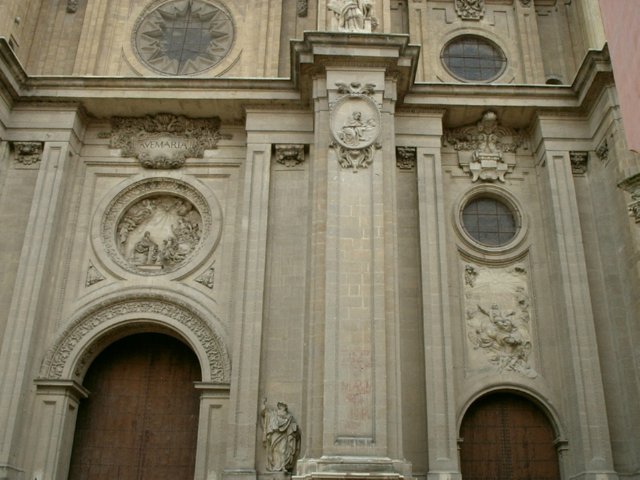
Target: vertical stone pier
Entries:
(352, 406)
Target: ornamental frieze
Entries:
(164, 140)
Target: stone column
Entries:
(247, 334)
(214, 401)
(355, 392)
(16, 358)
(54, 427)
(441, 416)
(589, 446)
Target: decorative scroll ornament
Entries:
(498, 318)
(355, 125)
(280, 436)
(486, 150)
(353, 15)
(28, 154)
(579, 162)
(164, 140)
(208, 277)
(289, 155)
(525, 3)
(93, 276)
(470, 9)
(406, 158)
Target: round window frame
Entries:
(489, 41)
(510, 201)
(140, 65)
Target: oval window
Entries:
(472, 58)
(489, 221)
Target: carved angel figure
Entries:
(281, 436)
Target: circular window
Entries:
(472, 58)
(183, 37)
(489, 221)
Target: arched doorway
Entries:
(507, 437)
(141, 418)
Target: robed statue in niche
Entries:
(281, 437)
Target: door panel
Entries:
(140, 421)
(507, 437)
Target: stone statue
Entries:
(353, 15)
(281, 437)
(145, 250)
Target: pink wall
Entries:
(622, 29)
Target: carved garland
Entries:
(140, 190)
(58, 358)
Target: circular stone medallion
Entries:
(355, 122)
(183, 37)
(155, 226)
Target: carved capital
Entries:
(470, 9)
(72, 6)
(406, 158)
(486, 150)
(164, 141)
(289, 155)
(28, 154)
(602, 152)
(632, 185)
(302, 8)
(579, 162)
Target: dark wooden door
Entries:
(507, 437)
(140, 421)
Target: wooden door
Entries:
(140, 421)
(507, 437)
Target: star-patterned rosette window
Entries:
(184, 37)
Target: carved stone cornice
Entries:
(486, 150)
(579, 162)
(164, 140)
(470, 9)
(406, 158)
(28, 154)
(289, 155)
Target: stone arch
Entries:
(95, 327)
(539, 400)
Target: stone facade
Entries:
(293, 197)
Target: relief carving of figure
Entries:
(281, 437)
(500, 335)
(354, 131)
(353, 15)
(159, 231)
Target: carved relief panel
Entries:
(157, 226)
(498, 319)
